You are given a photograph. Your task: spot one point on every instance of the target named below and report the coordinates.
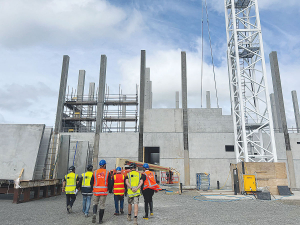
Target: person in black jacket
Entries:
(86, 189)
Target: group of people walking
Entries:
(100, 182)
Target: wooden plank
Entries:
(36, 192)
(7, 190)
(52, 190)
(45, 192)
(16, 196)
(26, 194)
(280, 170)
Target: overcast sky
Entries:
(35, 34)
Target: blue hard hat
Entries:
(102, 162)
(146, 165)
(118, 168)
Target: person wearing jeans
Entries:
(118, 186)
(86, 190)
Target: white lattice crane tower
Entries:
(252, 117)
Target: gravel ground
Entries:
(168, 209)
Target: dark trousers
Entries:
(148, 193)
(118, 198)
(70, 199)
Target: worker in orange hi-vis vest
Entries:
(118, 188)
(99, 181)
(150, 186)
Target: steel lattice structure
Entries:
(252, 115)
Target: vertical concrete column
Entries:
(100, 108)
(142, 105)
(177, 99)
(90, 107)
(151, 95)
(185, 119)
(281, 113)
(208, 99)
(296, 110)
(123, 114)
(147, 89)
(274, 112)
(80, 86)
(61, 95)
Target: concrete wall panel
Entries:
(170, 144)
(217, 168)
(20, 144)
(80, 159)
(42, 154)
(63, 165)
(121, 145)
(163, 120)
(209, 121)
(208, 145)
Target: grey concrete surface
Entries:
(142, 104)
(274, 112)
(20, 144)
(42, 154)
(100, 107)
(296, 110)
(62, 165)
(168, 209)
(62, 93)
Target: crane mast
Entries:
(251, 109)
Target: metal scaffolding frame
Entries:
(251, 108)
(120, 112)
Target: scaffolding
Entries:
(120, 112)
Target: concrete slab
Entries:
(163, 120)
(210, 145)
(80, 157)
(122, 145)
(20, 144)
(62, 166)
(42, 154)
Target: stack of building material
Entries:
(268, 174)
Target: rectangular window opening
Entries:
(229, 148)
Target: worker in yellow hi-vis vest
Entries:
(86, 189)
(133, 181)
(70, 183)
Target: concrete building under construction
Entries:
(95, 124)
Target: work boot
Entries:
(135, 221)
(151, 208)
(95, 207)
(101, 214)
(128, 217)
(146, 211)
(121, 211)
(69, 208)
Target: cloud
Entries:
(63, 22)
(16, 97)
(165, 73)
(219, 6)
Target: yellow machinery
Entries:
(249, 183)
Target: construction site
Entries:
(210, 165)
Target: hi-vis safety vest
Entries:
(119, 188)
(134, 180)
(150, 182)
(100, 182)
(70, 183)
(86, 179)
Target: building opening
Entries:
(151, 155)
